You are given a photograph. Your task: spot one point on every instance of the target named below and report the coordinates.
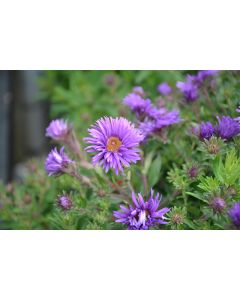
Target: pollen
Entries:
(113, 144)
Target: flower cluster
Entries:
(226, 129)
(142, 214)
(190, 88)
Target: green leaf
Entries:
(154, 171)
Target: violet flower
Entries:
(141, 107)
(116, 141)
(142, 215)
(58, 130)
(204, 131)
(189, 89)
(64, 202)
(227, 127)
(234, 214)
(164, 89)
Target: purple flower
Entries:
(58, 129)
(218, 205)
(138, 105)
(164, 89)
(57, 163)
(64, 202)
(202, 75)
(234, 214)
(204, 130)
(227, 127)
(238, 109)
(139, 91)
(116, 141)
(141, 215)
(189, 90)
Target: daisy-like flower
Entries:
(234, 214)
(164, 89)
(58, 130)
(141, 215)
(227, 127)
(57, 163)
(141, 107)
(116, 141)
(189, 89)
(204, 131)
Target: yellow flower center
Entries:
(113, 144)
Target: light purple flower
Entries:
(238, 109)
(139, 91)
(64, 202)
(189, 89)
(202, 75)
(204, 131)
(116, 141)
(141, 107)
(218, 205)
(58, 129)
(234, 214)
(227, 127)
(57, 163)
(164, 89)
(141, 215)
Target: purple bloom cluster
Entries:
(234, 214)
(64, 202)
(57, 162)
(164, 89)
(116, 141)
(58, 130)
(190, 88)
(141, 107)
(226, 129)
(141, 215)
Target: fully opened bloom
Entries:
(58, 129)
(142, 215)
(234, 214)
(189, 89)
(164, 89)
(204, 131)
(116, 141)
(138, 105)
(57, 163)
(227, 127)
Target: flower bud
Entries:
(64, 202)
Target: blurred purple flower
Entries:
(164, 89)
(58, 129)
(227, 127)
(138, 105)
(64, 202)
(116, 142)
(204, 131)
(238, 109)
(141, 215)
(139, 91)
(202, 75)
(57, 163)
(189, 90)
(218, 205)
(234, 214)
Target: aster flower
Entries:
(189, 90)
(116, 141)
(218, 205)
(204, 131)
(138, 105)
(202, 75)
(164, 89)
(234, 214)
(64, 202)
(57, 163)
(139, 91)
(227, 127)
(58, 129)
(141, 215)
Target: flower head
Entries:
(218, 205)
(58, 129)
(138, 105)
(164, 89)
(189, 89)
(64, 202)
(116, 141)
(57, 163)
(142, 215)
(234, 214)
(202, 75)
(227, 127)
(204, 131)
(138, 90)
